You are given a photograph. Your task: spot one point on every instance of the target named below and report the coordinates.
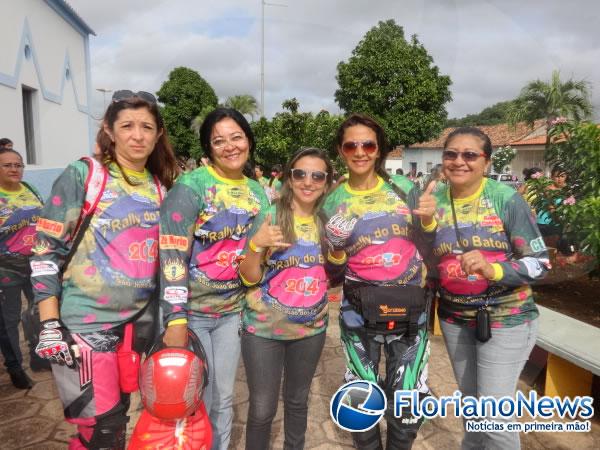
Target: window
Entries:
(29, 113)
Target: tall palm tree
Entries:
(246, 104)
(550, 100)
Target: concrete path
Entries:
(33, 419)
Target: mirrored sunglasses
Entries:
(318, 176)
(125, 94)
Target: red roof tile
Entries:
(500, 135)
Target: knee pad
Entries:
(109, 430)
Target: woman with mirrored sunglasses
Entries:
(94, 275)
(285, 314)
(20, 205)
(205, 221)
(488, 251)
(378, 228)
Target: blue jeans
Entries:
(489, 369)
(221, 342)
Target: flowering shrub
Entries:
(502, 158)
(576, 147)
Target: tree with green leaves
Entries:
(185, 95)
(290, 129)
(246, 104)
(492, 115)
(502, 158)
(552, 100)
(395, 81)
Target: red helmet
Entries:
(172, 379)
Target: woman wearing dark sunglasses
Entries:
(285, 316)
(378, 228)
(205, 221)
(94, 276)
(489, 250)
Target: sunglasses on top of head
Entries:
(125, 94)
(468, 156)
(351, 146)
(318, 176)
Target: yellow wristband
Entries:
(177, 322)
(254, 248)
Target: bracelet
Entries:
(254, 248)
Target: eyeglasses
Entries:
(235, 140)
(119, 96)
(352, 146)
(468, 156)
(318, 176)
(9, 166)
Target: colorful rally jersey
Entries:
(496, 221)
(113, 273)
(290, 302)
(381, 249)
(205, 220)
(19, 211)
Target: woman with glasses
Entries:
(94, 273)
(20, 205)
(285, 315)
(489, 250)
(378, 229)
(205, 222)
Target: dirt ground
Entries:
(570, 289)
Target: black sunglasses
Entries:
(125, 94)
(468, 156)
(318, 176)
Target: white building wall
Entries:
(62, 125)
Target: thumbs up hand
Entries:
(427, 205)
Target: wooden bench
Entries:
(573, 353)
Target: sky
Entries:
(489, 48)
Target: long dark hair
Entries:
(285, 214)
(161, 162)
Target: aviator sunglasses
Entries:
(318, 176)
(369, 147)
(468, 156)
(121, 95)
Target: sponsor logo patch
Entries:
(176, 294)
(174, 270)
(50, 227)
(40, 268)
(173, 242)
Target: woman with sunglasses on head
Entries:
(20, 205)
(378, 228)
(285, 315)
(205, 222)
(95, 266)
(489, 251)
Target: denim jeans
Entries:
(10, 316)
(489, 369)
(221, 342)
(265, 360)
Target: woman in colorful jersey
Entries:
(375, 223)
(489, 250)
(205, 222)
(20, 206)
(111, 275)
(285, 316)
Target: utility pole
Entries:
(262, 55)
